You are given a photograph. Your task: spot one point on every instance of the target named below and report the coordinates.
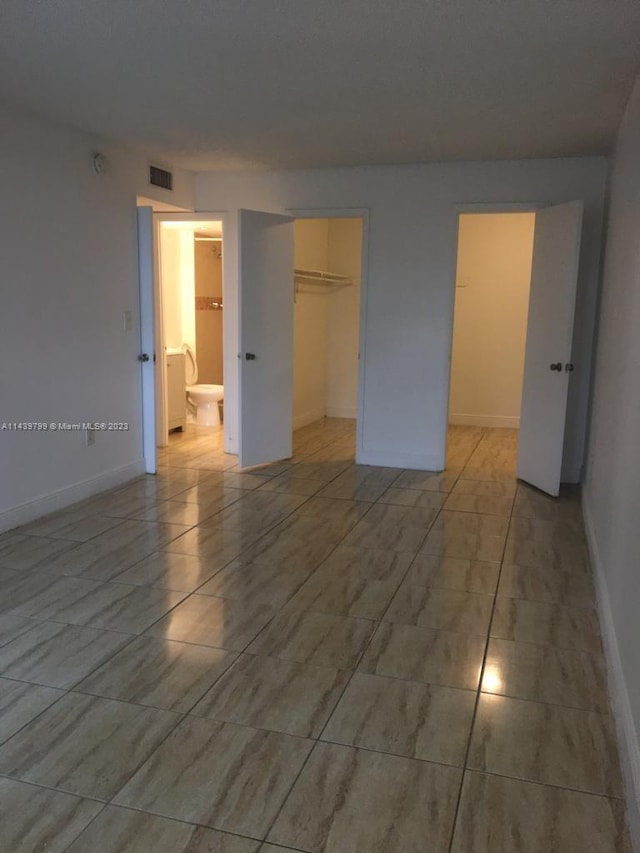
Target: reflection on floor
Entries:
(327, 656)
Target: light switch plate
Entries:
(127, 320)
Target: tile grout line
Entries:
(377, 624)
(478, 690)
(495, 596)
(238, 556)
(316, 740)
(180, 716)
(186, 597)
(135, 636)
(122, 519)
(184, 715)
(360, 657)
(480, 680)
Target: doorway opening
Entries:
(189, 332)
(327, 278)
(492, 290)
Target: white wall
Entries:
(177, 270)
(310, 325)
(490, 318)
(410, 288)
(611, 495)
(171, 301)
(343, 319)
(68, 271)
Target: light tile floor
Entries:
(311, 656)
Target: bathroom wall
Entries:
(177, 265)
(171, 299)
(493, 275)
(310, 325)
(343, 319)
(208, 287)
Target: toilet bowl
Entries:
(202, 400)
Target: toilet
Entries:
(202, 400)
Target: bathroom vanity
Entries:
(176, 396)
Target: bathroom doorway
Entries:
(184, 272)
(327, 279)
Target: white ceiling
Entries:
(303, 83)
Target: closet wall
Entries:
(310, 325)
(343, 335)
(493, 275)
(326, 321)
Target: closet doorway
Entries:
(493, 278)
(327, 276)
(267, 289)
(511, 362)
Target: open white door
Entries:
(266, 336)
(146, 272)
(547, 367)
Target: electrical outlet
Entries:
(89, 437)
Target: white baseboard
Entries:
(398, 459)
(307, 418)
(342, 412)
(504, 421)
(629, 745)
(61, 498)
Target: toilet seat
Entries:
(203, 392)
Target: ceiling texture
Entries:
(264, 84)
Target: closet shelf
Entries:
(320, 277)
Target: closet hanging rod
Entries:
(305, 276)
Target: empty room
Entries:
(319, 423)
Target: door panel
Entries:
(266, 336)
(554, 276)
(146, 272)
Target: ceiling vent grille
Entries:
(160, 178)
